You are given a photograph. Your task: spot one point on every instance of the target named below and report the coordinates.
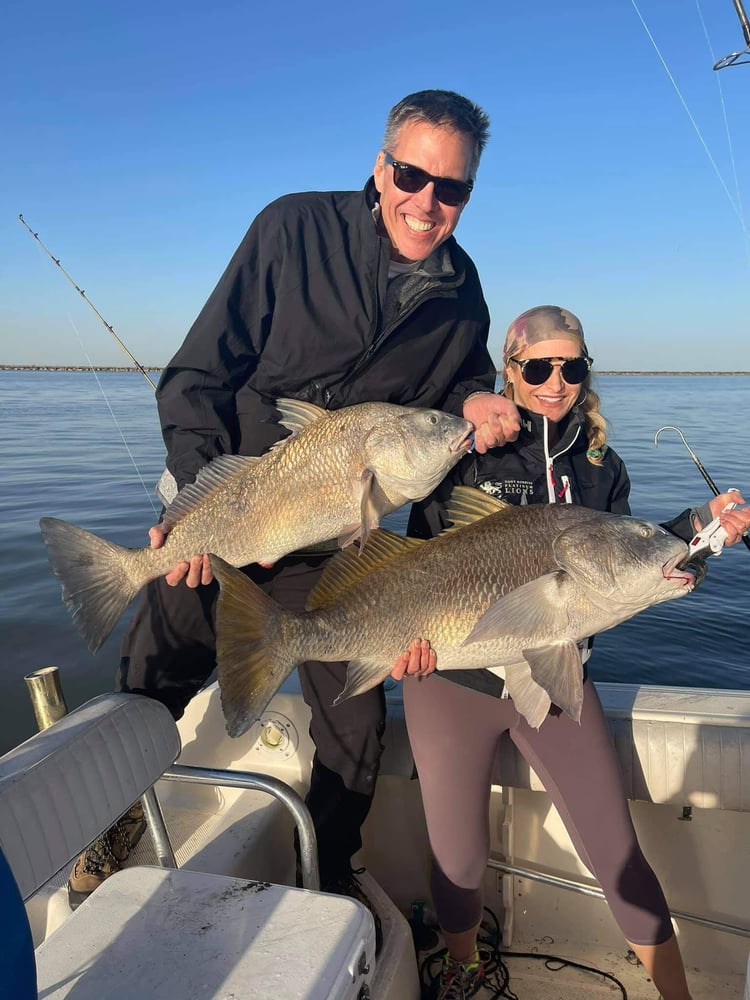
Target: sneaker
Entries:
(106, 855)
(347, 884)
(459, 980)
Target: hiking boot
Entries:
(105, 856)
(346, 884)
(127, 831)
(459, 980)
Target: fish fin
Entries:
(558, 669)
(361, 676)
(348, 535)
(212, 476)
(166, 488)
(93, 572)
(251, 659)
(296, 413)
(368, 513)
(537, 607)
(468, 504)
(529, 698)
(348, 567)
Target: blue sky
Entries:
(141, 139)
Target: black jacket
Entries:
(530, 470)
(302, 311)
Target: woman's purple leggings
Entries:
(454, 733)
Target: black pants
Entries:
(169, 653)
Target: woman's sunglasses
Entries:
(536, 371)
(412, 179)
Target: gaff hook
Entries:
(699, 465)
(669, 427)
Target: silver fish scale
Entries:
(440, 590)
(336, 476)
(304, 490)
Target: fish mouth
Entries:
(686, 571)
(465, 440)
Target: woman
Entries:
(560, 456)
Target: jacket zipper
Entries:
(435, 290)
(557, 492)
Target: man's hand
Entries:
(496, 420)
(419, 660)
(194, 573)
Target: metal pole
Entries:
(308, 847)
(47, 698)
(743, 20)
(591, 890)
(738, 58)
(158, 829)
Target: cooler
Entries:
(157, 934)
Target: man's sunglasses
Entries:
(412, 179)
(536, 371)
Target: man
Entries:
(336, 298)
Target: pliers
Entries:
(709, 541)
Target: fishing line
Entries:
(692, 119)
(726, 129)
(112, 413)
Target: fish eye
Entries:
(433, 418)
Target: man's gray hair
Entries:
(442, 109)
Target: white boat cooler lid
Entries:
(155, 933)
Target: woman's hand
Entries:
(419, 660)
(735, 522)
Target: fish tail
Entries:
(96, 587)
(253, 658)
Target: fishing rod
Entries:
(88, 301)
(735, 58)
(698, 464)
(166, 488)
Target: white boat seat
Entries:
(159, 932)
(63, 787)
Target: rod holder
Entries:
(47, 698)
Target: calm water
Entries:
(65, 453)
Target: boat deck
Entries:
(196, 832)
(248, 834)
(537, 979)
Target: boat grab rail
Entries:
(584, 889)
(263, 783)
(67, 784)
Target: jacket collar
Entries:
(443, 263)
(535, 426)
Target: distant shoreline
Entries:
(76, 368)
(148, 368)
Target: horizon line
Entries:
(158, 368)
